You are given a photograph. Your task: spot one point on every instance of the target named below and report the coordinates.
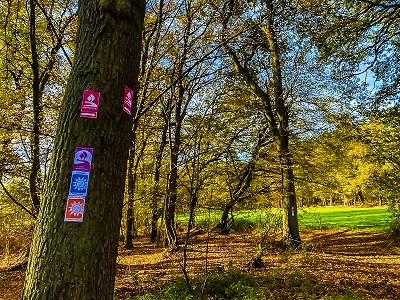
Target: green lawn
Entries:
(373, 218)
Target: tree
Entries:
(272, 95)
(186, 72)
(358, 39)
(244, 179)
(78, 260)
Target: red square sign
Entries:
(90, 104)
(128, 97)
(74, 209)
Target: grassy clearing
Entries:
(372, 218)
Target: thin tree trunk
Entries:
(130, 224)
(133, 166)
(180, 111)
(71, 260)
(172, 193)
(156, 190)
(37, 114)
(226, 223)
(39, 83)
(243, 185)
(193, 203)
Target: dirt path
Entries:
(367, 263)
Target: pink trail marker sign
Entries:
(128, 97)
(90, 104)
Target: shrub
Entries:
(394, 223)
(232, 283)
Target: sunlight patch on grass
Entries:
(372, 218)
(352, 218)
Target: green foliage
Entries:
(394, 223)
(232, 283)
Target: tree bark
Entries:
(156, 189)
(180, 111)
(130, 224)
(290, 222)
(193, 202)
(37, 114)
(172, 186)
(78, 260)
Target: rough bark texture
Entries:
(78, 260)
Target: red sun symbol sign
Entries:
(74, 209)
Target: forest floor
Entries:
(365, 262)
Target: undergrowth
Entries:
(394, 223)
(233, 283)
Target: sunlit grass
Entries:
(373, 218)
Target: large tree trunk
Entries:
(78, 260)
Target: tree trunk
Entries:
(156, 190)
(226, 223)
(290, 221)
(135, 156)
(172, 195)
(172, 190)
(243, 185)
(193, 203)
(71, 260)
(37, 115)
(130, 224)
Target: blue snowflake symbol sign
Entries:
(79, 183)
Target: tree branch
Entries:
(59, 40)
(376, 4)
(16, 202)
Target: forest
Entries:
(235, 149)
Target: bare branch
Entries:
(16, 202)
